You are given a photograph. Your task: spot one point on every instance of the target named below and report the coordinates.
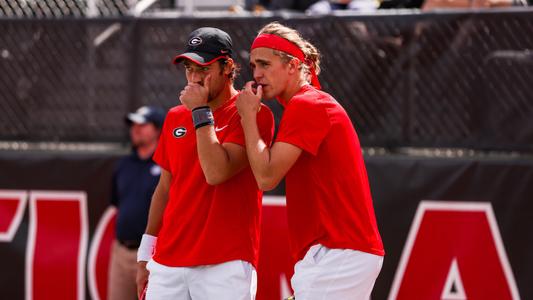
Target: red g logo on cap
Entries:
(195, 41)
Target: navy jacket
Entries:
(134, 182)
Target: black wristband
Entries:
(202, 116)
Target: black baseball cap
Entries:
(206, 45)
(147, 114)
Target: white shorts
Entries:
(335, 274)
(233, 280)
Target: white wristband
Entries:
(146, 248)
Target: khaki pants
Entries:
(122, 273)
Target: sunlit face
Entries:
(196, 73)
(143, 134)
(269, 71)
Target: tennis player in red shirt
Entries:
(202, 237)
(332, 225)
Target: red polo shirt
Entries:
(328, 195)
(204, 224)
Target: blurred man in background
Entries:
(134, 180)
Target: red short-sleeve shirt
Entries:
(204, 224)
(328, 194)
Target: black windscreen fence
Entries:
(449, 79)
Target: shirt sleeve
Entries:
(160, 155)
(265, 124)
(304, 124)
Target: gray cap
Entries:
(147, 114)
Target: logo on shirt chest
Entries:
(179, 132)
(155, 170)
(218, 129)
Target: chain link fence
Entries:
(457, 79)
(64, 8)
(52, 9)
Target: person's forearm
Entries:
(157, 208)
(258, 154)
(215, 161)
